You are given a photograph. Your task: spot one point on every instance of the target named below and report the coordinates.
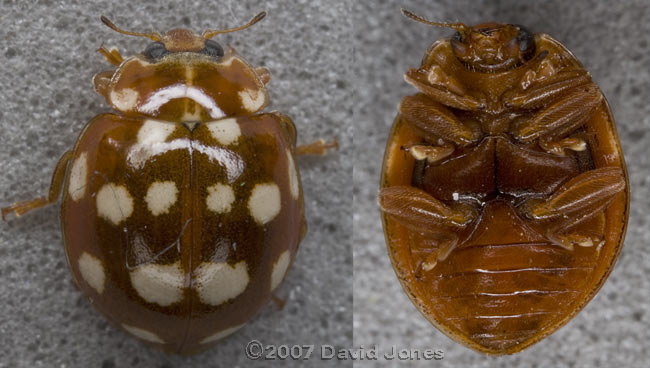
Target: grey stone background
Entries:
(612, 41)
(327, 58)
(47, 60)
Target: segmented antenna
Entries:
(154, 35)
(211, 33)
(460, 27)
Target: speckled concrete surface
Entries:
(611, 39)
(47, 54)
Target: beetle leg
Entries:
(436, 120)
(568, 240)
(445, 246)
(421, 212)
(318, 147)
(563, 116)
(444, 89)
(22, 207)
(558, 147)
(263, 74)
(432, 154)
(578, 200)
(279, 302)
(112, 56)
(533, 95)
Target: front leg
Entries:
(112, 56)
(437, 121)
(580, 199)
(443, 88)
(421, 212)
(534, 93)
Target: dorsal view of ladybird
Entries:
(182, 210)
(504, 192)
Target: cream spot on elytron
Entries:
(78, 177)
(161, 195)
(181, 90)
(92, 271)
(124, 99)
(160, 284)
(152, 137)
(143, 334)
(220, 198)
(280, 269)
(221, 334)
(217, 283)
(294, 185)
(225, 131)
(264, 202)
(114, 203)
(252, 100)
(153, 132)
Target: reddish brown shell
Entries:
(507, 284)
(178, 235)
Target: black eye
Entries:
(155, 51)
(212, 49)
(457, 37)
(526, 43)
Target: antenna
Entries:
(460, 27)
(154, 35)
(211, 33)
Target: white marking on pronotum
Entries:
(294, 185)
(264, 203)
(161, 195)
(78, 177)
(217, 283)
(114, 203)
(220, 198)
(160, 284)
(280, 269)
(180, 90)
(124, 99)
(92, 271)
(143, 334)
(225, 131)
(252, 100)
(221, 334)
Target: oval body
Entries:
(182, 212)
(504, 190)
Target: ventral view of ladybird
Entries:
(504, 192)
(181, 209)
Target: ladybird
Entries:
(504, 193)
(182, 210)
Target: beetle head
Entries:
(183, 76)
(488, 47)
(182, 40)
